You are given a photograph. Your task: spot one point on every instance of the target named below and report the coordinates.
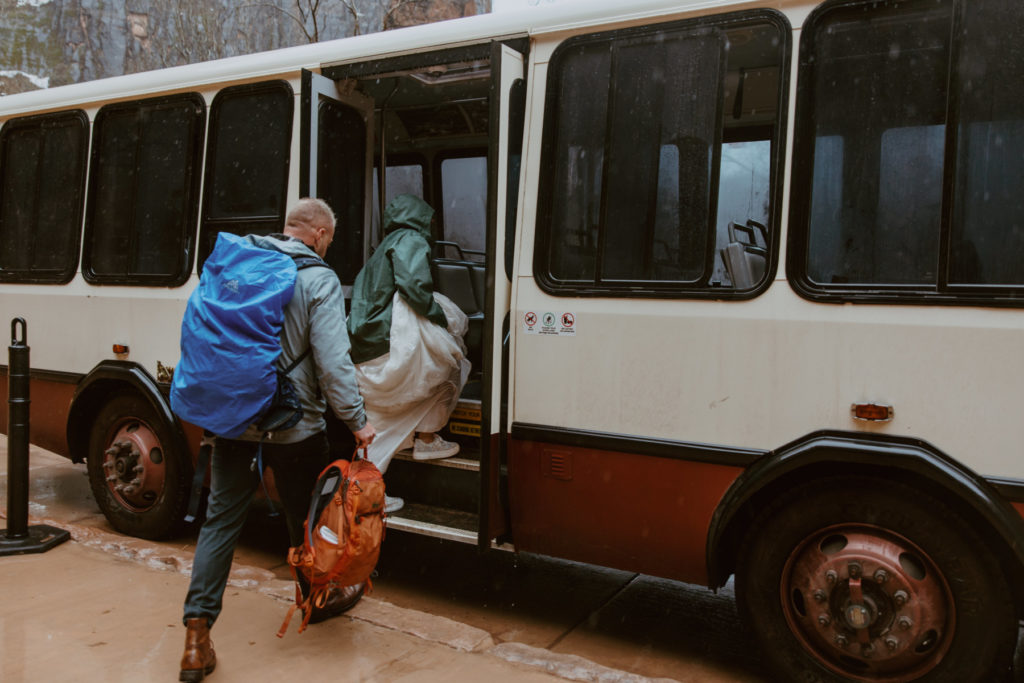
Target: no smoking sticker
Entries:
(550, 323)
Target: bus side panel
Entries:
(48, 412)
(622, 510)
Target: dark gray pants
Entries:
(232, 485)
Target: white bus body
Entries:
(747, 294)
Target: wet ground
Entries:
(607, 625)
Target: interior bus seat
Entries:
(745, 259)
(455, 279)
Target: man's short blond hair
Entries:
(307, 212)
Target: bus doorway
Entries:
(442, 126)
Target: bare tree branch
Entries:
(353, 12)
(386, 19)
(299, 20)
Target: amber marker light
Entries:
(120, 349)
(872, 412)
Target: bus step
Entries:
(441, 483)
(457, 463)
(437, 522)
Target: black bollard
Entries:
(20, 538)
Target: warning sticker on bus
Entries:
(464, 429)
(549, 323)
(464, 413)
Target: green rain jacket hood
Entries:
(400, 264)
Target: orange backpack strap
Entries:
(298, 603)
(317, 597)
(287, 621)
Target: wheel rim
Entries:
(868, 604)
(134, 466)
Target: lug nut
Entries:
(900, 597)
(905, 623)
(820, 595)
(841, 640)
(140, 469)
(854, 569)
(831, 577)
(881, 576)
(891, 643)
(824, 619)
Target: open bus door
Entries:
(507, 101)
(336, 157)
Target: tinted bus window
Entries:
(988, 226)
(464, 204)
(635, 123)
(42, 181)
(340, 182)
(247, 161)
(402, 178)
(143, 186)
(910, 141)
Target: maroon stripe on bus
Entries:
(623, 510)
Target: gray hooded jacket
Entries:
(315, 318)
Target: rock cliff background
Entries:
(46, 43)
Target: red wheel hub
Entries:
(134, 465)
(868, 603)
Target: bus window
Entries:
(988, 238)
(464, 204)
(885, 107)
(743, 187)
(246, 184)
(402, 179)
(340, 182)
(42, 181)
(988, 224)
(142, 193)
(657, 104)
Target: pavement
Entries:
(108, 607)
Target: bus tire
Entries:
(862, 579)
(140, 483)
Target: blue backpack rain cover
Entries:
(231, 337)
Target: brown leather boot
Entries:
(199, 658)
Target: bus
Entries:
(745, 283)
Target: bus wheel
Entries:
(140, 484)
(867, 580)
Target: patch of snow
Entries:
(38, 81)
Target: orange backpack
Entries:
(344, 530)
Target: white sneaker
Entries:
(436, 449)
(392, 504)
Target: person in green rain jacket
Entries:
(401, 263)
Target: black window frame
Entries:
(247, 224)
(668, 289)
(44, 121)
(190, 201)
(939, 292)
